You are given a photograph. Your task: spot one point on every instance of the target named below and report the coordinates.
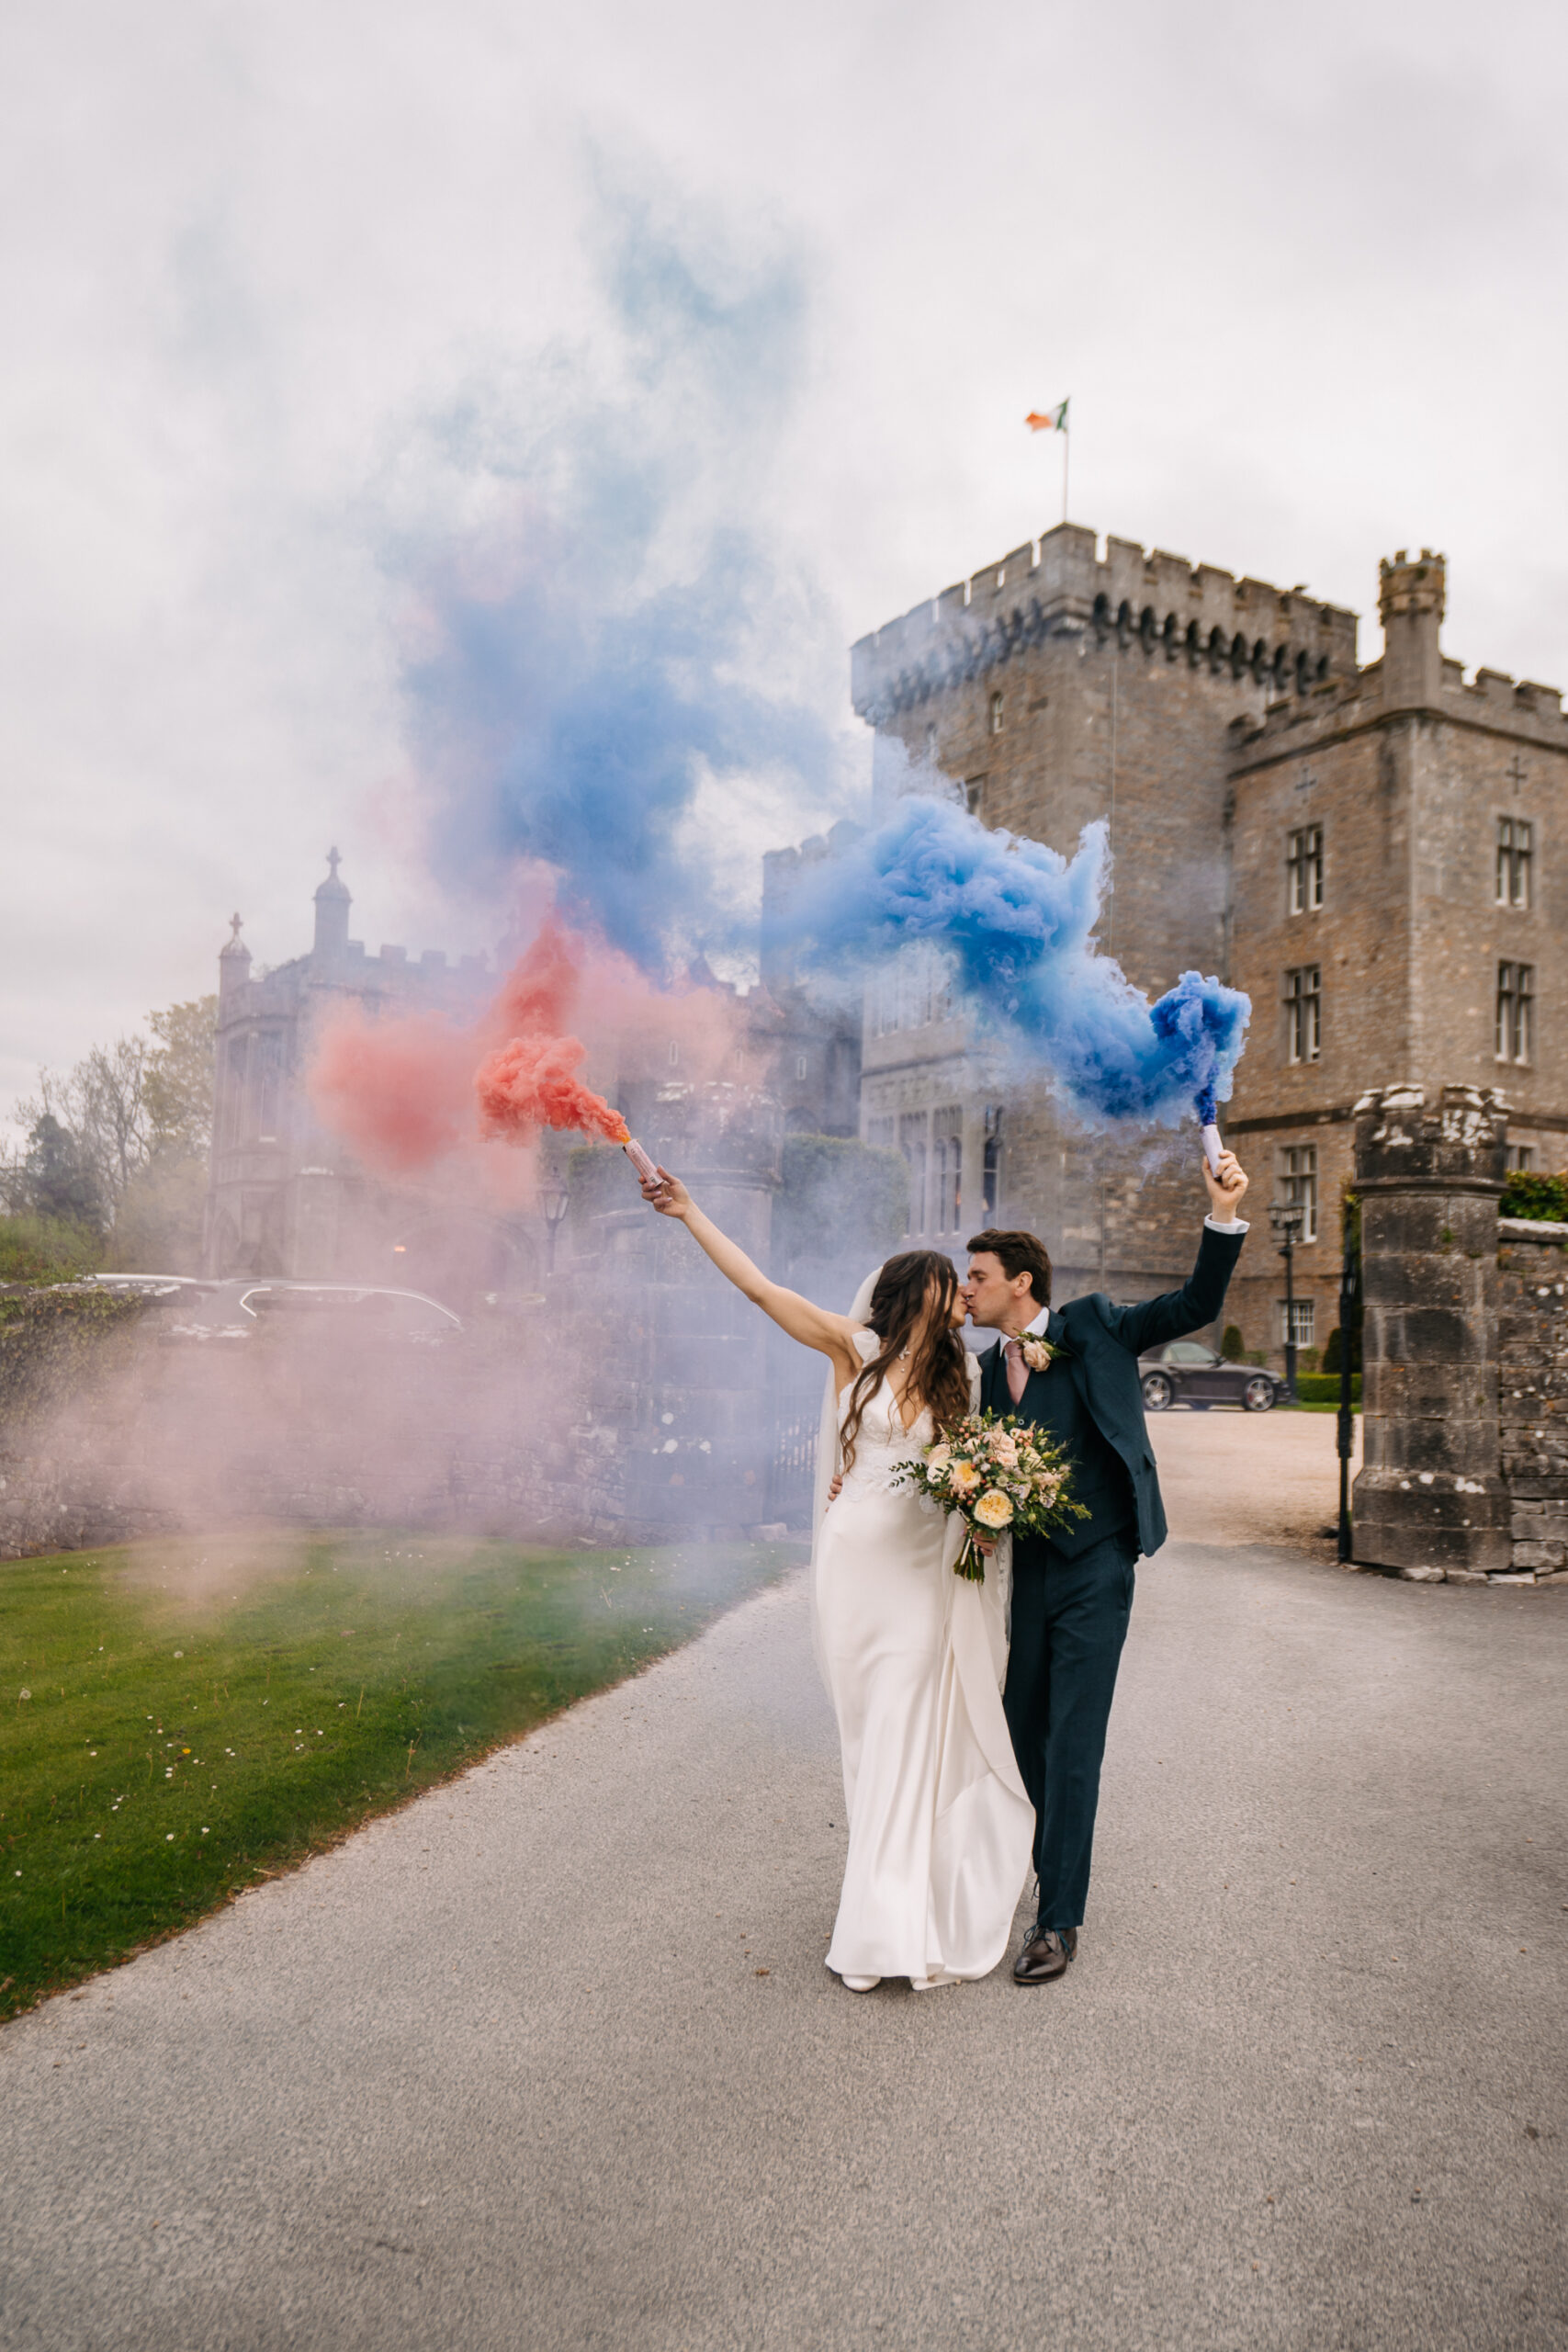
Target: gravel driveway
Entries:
(551, 2059)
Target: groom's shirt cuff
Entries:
(1232, 1224)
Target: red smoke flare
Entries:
(532, 1083)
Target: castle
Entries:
(1370, 853)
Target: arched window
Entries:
(1238, 655)
(1147, 628)
(1195, 645)
(1304, 674)
(1103, 617)
(995, 714)
(1124, 622)
(1260, 663)
(1216, 651)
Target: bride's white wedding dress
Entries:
(915, 1656)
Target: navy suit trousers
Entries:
(1069, 1620)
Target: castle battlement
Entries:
(1413, 674)
(1060, 585)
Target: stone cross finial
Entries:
(335, 861)
(235, 926)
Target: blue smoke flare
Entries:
(1018, 920)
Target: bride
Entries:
(913, 1656)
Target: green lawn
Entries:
(179, 1720)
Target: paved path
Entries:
(551, 2060)
(1231, 1477)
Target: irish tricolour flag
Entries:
(1053, 420)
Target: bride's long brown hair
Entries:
(938, 1373)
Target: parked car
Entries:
(1184, 1372)
(235, 1308)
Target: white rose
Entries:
(994, 1509)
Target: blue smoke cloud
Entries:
(603, 638)
(605, 645)
(1018, 920)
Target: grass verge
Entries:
(178, 1721)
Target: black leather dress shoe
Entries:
(1045, 1954)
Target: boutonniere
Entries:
(1037, 1354)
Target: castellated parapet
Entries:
(1061, 586)
(1415, 675)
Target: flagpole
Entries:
(1067, 452)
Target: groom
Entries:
(1072, 1593)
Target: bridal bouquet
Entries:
(997, 1473)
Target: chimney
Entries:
(333, 903)
(233, 960)
(1411, 594)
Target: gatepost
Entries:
(1430, 1500)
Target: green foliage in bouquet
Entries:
(1001, 1477)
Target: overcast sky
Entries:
(1300, 271)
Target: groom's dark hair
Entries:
(1019, 1253)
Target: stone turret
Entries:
(233, 960)
(333, 903)
(1412, 592)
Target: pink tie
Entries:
(1017, 1371)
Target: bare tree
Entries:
(126, 1108)
(102, 1103)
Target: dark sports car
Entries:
(1185, 1371)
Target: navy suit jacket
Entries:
(1103, 1344)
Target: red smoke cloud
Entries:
(413, 1088)
(400, 1092)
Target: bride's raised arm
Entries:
(814, 1327)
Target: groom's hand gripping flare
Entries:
(1226, 1184)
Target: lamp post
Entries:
(554, 1201)
(1286, 1216)
(1350, 1292)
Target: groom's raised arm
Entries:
(1153, 1321)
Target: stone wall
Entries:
(1533, 1393)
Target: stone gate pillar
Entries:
(1430, 1173)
